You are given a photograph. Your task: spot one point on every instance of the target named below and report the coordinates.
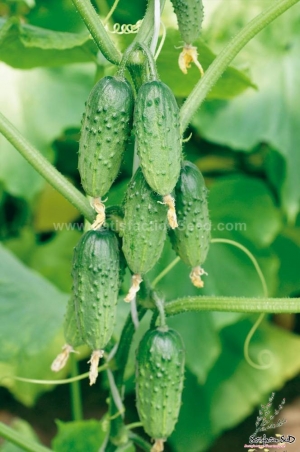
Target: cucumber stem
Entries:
(76, 401)
(150, 60)
(160, 307)
(97, 30)
(45, 169)
(117, 427)
(18, 439)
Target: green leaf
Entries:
(31, 315)
(79, 436)
(232, 83)
(41, 103)
(53, 259)
(243, 207)
(25, 46)
(233, 388)
(270, 114)
(287, 247)
(31, 309)
(199, 336)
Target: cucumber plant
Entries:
(114, 110)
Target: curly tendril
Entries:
(125, 29)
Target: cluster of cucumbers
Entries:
(166, 196)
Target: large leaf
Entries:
(78, 436)
(287, 247)
(233, 388)
(271, 113)
(25, 46)
(41, 103)
(232, 83)
(31, 313)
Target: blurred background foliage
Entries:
(245, 139)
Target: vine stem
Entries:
(76, 401)
(233, 304)
(226, 56)
(16, 438)
(97, 30)
(145, 32)
(118, 432)
(46, 169)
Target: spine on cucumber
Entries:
(106, 126)
(157, 130)
(72, 337)
(95, 290)
(159, 382)
(189, 17)
(145, 226)
(191, 239)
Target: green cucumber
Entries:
(157, 130)
(145, 227)
(72, 337)
(189, 17)
(159, 382)
(106, 127)
(192, 237)
(95, 290)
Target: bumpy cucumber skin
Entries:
(192, 237)
(145, 226)
(190, 17)
(71, 331)
(96, 286)
(105, 130)
(157, 128)
(159, 381)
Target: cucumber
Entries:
(72, 337)
(191, 239)
(95, 275)
(159, 382)
(189, 17)
(106, 127)
(157, 131)
(145, 227)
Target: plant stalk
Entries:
(16, 438)
(225, 57)
(118, 431)
(97, 30)
(233, 304)
(46, 169)
(76, 401)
